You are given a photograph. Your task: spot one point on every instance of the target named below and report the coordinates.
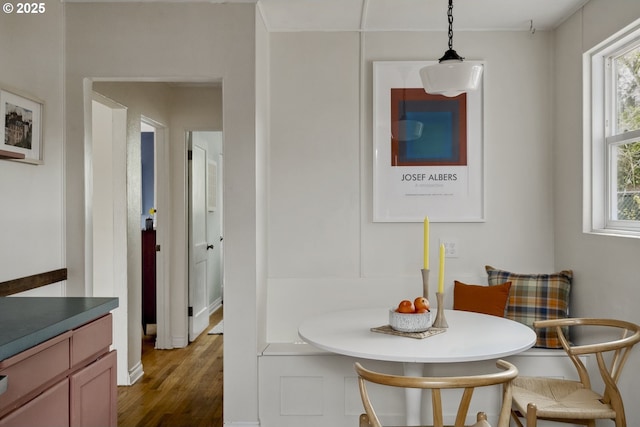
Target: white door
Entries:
(198, 245)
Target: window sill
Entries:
(614, 233)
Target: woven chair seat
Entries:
(576, 402)
(557, 397)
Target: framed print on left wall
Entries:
(22, 125)
(427, 149)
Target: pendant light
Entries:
(451, 76)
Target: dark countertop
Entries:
(28, 321)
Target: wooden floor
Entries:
(180, 387)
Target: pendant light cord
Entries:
(450, 16)
(451, 54)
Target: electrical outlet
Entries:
(451, 247)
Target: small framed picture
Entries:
(22, 125)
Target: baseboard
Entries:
(135, 373)
(215, 305)
(243, 424)
(179, 342)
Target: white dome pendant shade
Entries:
(451, 76)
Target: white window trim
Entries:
(595, 116)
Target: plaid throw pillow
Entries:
(536, 297)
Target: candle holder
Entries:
(440, 321)
(425, 283)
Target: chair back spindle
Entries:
(466, 383)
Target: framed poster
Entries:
(22, 125)
(427, 149)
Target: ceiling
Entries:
(413, 15)
(402, 15)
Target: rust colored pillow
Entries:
(481, 299)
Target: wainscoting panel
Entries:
(301, 395)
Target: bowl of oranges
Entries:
(411, 316)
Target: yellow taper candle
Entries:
(426, 242)
(441, 274)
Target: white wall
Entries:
(325, 253)
(606, 268)
(32, 206)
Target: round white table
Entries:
(469, 337)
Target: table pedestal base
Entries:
(413, 396)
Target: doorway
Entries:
(179, 105)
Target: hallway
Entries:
(180, 387)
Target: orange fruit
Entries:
(405, 306)
(421, 303)
(421, 310)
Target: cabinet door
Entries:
(94, 394)
(50, 409)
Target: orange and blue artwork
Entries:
(428, 130)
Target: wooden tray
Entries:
(386, 329)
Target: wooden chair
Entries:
(575, 401)
(436, 384)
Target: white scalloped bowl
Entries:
(409, 322)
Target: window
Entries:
(612, 86)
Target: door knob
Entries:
(209, 247)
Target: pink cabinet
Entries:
(33, 370)
(51, 409)
(94, 396)
(69, 380)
